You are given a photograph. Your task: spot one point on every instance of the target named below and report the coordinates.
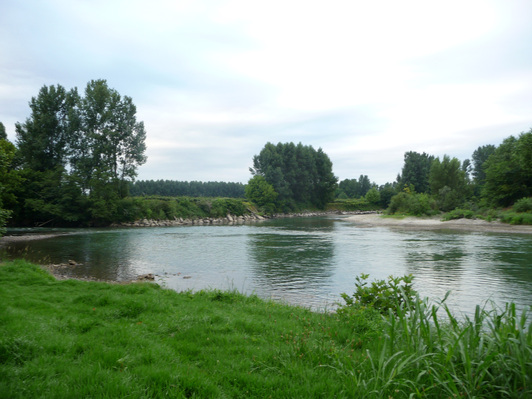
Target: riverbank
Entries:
(435, 223)
(89, 339)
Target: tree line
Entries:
(495, 176)
(73, 158)
(172, 188)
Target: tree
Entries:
(373, 196)
(448, 183)
(112, 143)
(509, 171)
(78, 154)
(46, 138)
(45, 142)
(416, 171)
(3, 134)
(354, 188)
(479, 158)
(7, 154)
(262, 193)
(299, 174)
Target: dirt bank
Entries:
(434, 223)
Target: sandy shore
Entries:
(434, 223)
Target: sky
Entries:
(214, 81)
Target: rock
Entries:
(146, 277)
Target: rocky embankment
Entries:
(230, 219)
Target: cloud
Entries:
(215, 80)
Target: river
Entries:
(304, 261)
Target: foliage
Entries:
(523, 205)
(138, 340)
(416, 171)
(382, 295)
(3, 133)
(479, 157)
(262, 193)
(459, 214)
(414, 204)
(9, 181)
(300, 175)
(352, 205)
(353, 188)
(386, 192)
(373, 196)
(516, 218)
(509, 171)
(448, 183)
(170, 208)
(171, 188)
(77, 155)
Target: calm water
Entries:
(307, 261)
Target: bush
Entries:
(412, 204)
(382, 295)
(523, 205)
(459, 214)
(516, 218)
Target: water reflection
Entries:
(295, 257)
(306, 261)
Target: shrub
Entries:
(516, 218)
(459, 214)
(381, 295)
(412, 204)
(523, 205)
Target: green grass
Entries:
(64, 339)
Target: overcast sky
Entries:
(214, 81)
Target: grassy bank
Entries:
(87, 339)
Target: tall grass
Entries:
(422, 354)
(63, 339)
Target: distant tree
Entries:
(416, 170)
(386, 192)
(354, 188)
(299, 174)
(262, 193)
(3, 133)
(509, 171)
(479, 158)
(7, 181)
(373, 196)
(448, 183)
(174, 188)
(349, 187)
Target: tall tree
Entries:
(416, 170)
(479, 158)
(45, 139)
(299, 174)
(3, 133)
(448, 182)
(112, 143)
(509, 171)
(7, 181)
(77, 154)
